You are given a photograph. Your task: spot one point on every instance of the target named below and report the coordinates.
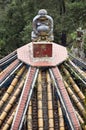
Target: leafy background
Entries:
(16, 20)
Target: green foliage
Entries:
(16, 20)
(77, 12)
(26, 33)
(2, 48)
(85, 45)
(73, 35)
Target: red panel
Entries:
(42, 50)
(59, 54)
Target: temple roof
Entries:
(42, 98)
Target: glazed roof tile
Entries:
(45, 109)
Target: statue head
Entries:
(42, 12)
